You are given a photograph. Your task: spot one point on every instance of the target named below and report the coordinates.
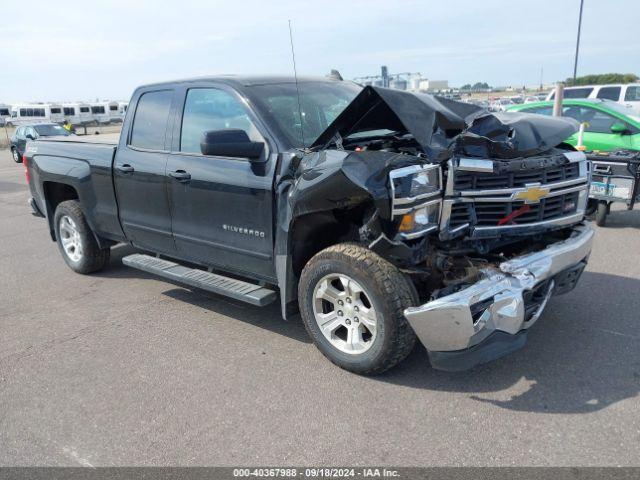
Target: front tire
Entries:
(75, 239)
(352, 302)
(601, 214)
(16, 155)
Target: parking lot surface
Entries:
(121, 368)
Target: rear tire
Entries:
(16, 155)
(601, 214)
(75, 239)
(352, 303)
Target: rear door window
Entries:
(609, 93)
(150, 121)
(632, 94)
(577, 92)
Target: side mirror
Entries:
(231, 142)
(619, 128)
(29, 136)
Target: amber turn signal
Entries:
(408, 223)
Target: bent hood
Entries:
(443, 127)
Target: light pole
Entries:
(575, 63)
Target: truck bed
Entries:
(83, 163)
(102, 139)
(95, 150)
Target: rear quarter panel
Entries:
(87, 167)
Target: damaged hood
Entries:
(445, 127)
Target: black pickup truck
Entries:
(381, 216)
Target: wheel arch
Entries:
(54, 194)
(307, 235)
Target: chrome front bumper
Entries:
(447, 324)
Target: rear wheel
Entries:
(76, 242)
(601, 214)
(352, 303)
(16, 155)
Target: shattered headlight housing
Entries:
(424, 183)
(416, 199)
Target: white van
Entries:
(627, 94)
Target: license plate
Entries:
(599, 188)
(621, 189)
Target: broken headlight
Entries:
(425, 183)
(416, 199)
(420, 220)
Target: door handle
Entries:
(180, 175)
(125, 168)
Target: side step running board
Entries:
(230, 287)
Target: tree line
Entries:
(476, 86)
(603, 78)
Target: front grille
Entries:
(489, 214)
(489, 181)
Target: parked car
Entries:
(608, 125)
(32, 132)
(625, 94)
(382, 216)
(501, 104)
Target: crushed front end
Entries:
(483, 212)
(503, 238)
(489, 318)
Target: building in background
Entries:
(411, 81)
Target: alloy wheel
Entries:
(345, 314)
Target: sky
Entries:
(68, 50)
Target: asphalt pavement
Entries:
(121, 368)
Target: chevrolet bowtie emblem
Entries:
(531, 194)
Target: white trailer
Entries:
(102, 111)
(5, 113)
(28, 113)
(56, 114)
(121, 111)
(77, 113)
(114, 112)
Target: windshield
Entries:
(50, 130)
(321, 103)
